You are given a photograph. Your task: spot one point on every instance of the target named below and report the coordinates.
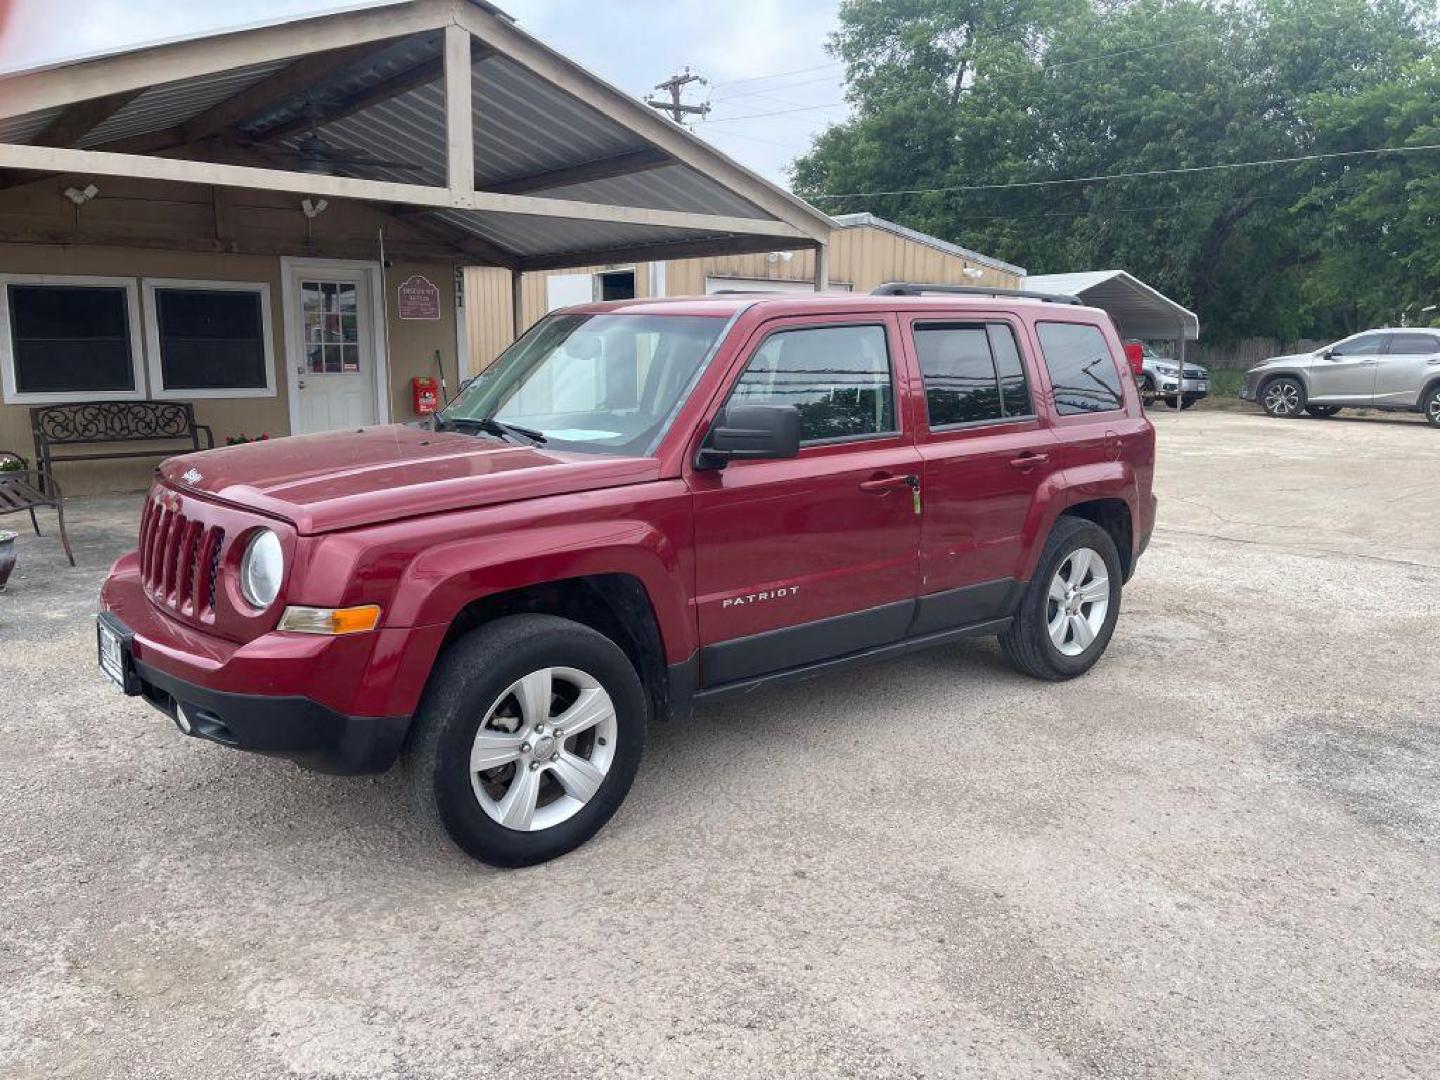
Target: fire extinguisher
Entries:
(424, 395)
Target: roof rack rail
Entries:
(910, 288)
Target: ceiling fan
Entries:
(313, 155)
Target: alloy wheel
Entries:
(544, 748)
(1434, 409)
(1282, 398)
(1078, 601)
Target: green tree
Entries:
(964, 96)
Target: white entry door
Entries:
(333, 354)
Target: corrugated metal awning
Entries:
(1139, 310)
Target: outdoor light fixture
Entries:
(313, 208)
(973, 272)
(80, 196)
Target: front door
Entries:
(1347, 371)
(333, 354)
(800, 560)
(1411, 361)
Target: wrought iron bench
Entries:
(19, 490)
(105, 423)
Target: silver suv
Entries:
(1158, 375)
(1397, 370)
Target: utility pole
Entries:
(678, 110)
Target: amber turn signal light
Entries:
(314, 620)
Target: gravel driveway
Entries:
(1216, 855)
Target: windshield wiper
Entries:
(491, 426)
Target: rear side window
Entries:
(1413, 344)
(1083, 374)
(837, 377)
(972, 373)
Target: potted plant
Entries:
(7, 555)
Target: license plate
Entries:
(112, 654)
(1204, 387)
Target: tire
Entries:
(1431, 407)
(1283, 397)
(1028, 642)
(1322, 412)
(1147, 391)
(492, 678)
(1190, 402)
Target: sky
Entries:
(760, 56)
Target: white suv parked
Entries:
(1392, 369)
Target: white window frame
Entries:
(158, 389)
(8, 382)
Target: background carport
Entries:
(1139, 311)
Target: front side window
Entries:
(1364, 345)
(1413, 344)
(605, 383)
(1083, 373)
(70, 339)
(972, 373)
(211, 339)
(837, 377)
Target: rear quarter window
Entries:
(1083, 373)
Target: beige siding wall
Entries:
(861, 257)
(412, 345)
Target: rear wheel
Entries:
(1068, 612)
(527, 740)
(1322, 412)
(1432, 407)
(1283, 398)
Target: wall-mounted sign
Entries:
(419, 298)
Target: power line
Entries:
(1099, 178)
(780, 74)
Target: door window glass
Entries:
(1364, 345)
(1413, 344)
(1083, 373)
(837, 377)
(1014, 389)
(332, 327)
(960, 382)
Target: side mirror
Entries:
(1327, 353)
(751, 433)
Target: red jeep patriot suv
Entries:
(640, 506)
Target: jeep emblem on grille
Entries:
(192, 477)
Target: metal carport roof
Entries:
(514, 152)
(1139, 310)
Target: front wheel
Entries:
(1432, 407)
(1068, 612)
(1147, 391)
(527, 740)
(1190, 402)
(1283, 398)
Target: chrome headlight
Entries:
(1166, 369)
(261, 569)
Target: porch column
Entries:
(459, 118)
(822, 267)
(517, 304)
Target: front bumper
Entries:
(339, 705)
(1250, 387)
(1192, 387)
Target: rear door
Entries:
(1408, 363)
(1347, 373)
(813, 557)
(986, 452)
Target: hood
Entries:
(1289, 358)
(344, 479)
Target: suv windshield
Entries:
(607, 383)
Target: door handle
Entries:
(882, 485)
(1028, 461)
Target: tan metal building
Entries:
(864, 251)
(270, 223)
